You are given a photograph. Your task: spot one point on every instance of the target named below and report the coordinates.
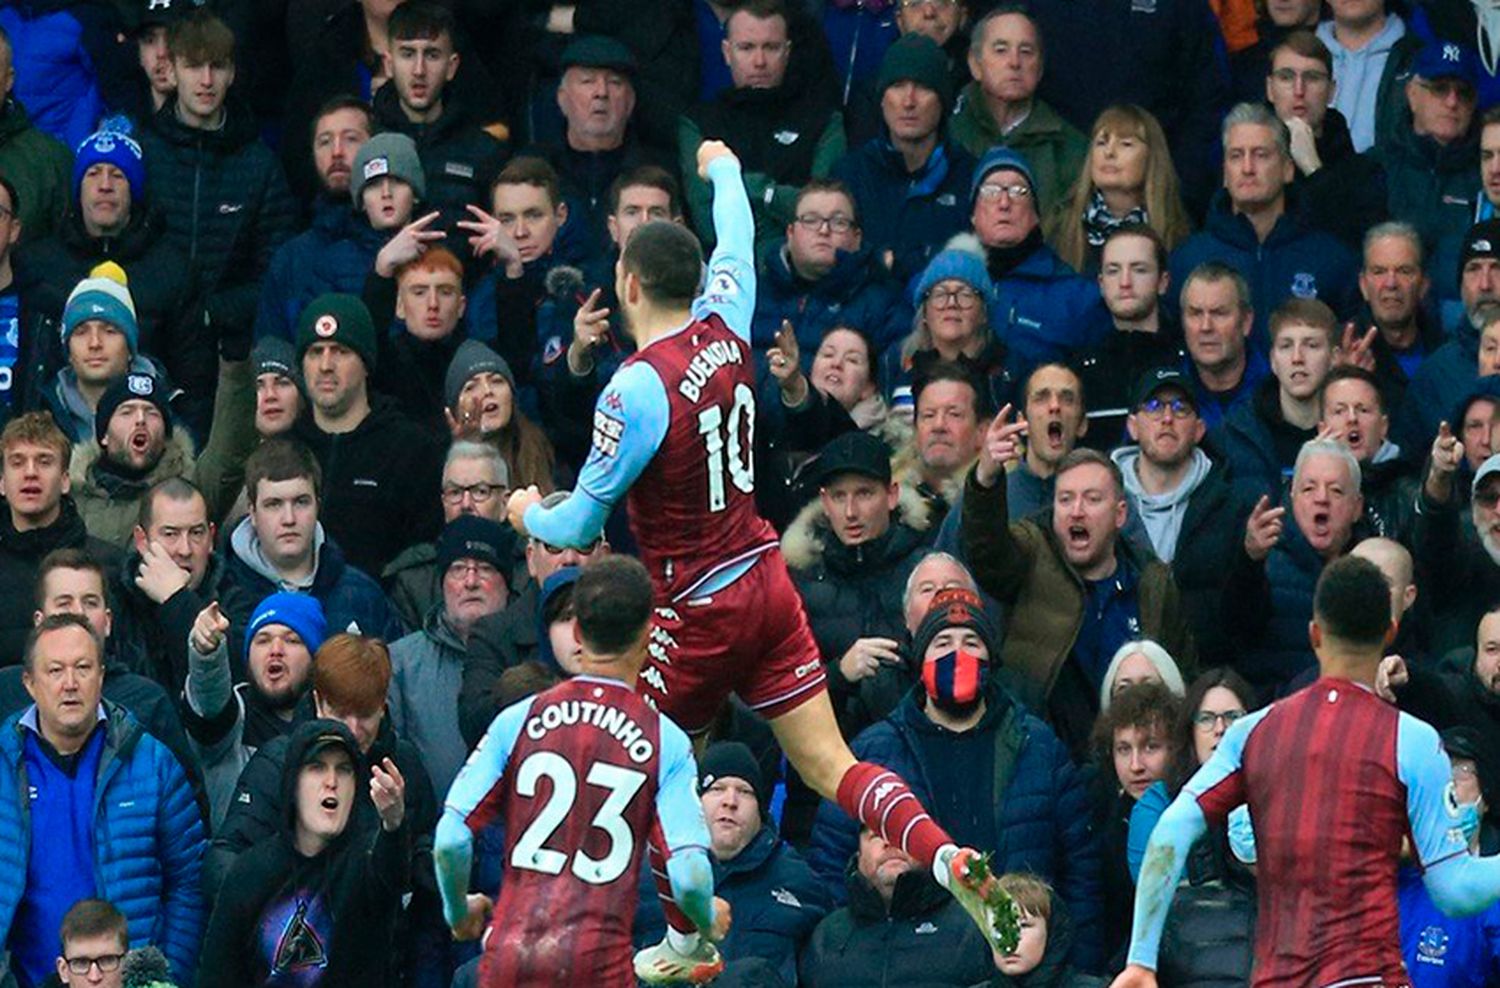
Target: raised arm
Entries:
(630, 423)
(729, 290)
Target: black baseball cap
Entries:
(854, 452)
(1154, 380)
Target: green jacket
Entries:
(110, 505)
(220, 470)
(1022, 565)
(39, 167)
(1055, 149)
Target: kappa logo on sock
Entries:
(883, 790)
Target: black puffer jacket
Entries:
(161, 286)
(923, 940)
(380, 484)
(853, 592)
(227, 208)
(20, 555)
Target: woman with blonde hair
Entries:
(1128, 178)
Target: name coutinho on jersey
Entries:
(611, 720)
(703, 365)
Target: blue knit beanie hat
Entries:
(114, 147)
(962, 260)
(299, 611)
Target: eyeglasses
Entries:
(454, 493)
(1206, 720)
(463, 567)
(991, 193)
(106, 962)
(557, 550)
(964, 298)
(914, 4)
(838, 222)
(1156, 407)
(1444, 88)
(1487, 498)
(1309, 77)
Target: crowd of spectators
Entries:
(1086, 336)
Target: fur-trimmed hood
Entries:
(809, 535)
(177, 460)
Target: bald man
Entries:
(1395, 562)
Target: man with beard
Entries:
(1268, 595)
(1183, 499)
(335, 252)
(1351, 408)
(1076, 589)
(39, 517)
(136, 446)
(1461, 575)
(228, 722)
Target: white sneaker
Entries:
(664, 965)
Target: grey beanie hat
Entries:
(473, 357)
(274, 355)
(388, 154)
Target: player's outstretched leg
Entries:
(881, 800)
(684, 956)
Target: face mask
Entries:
(1465, 816)
(953, 679)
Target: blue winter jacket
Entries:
(335, 254)
(776, 899)
(911, 215)
(857, 292)
(1293, 261)
(858, 39)
(1043, 815)
(57, 47)
(1046, 312)
(148, 838)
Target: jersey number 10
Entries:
(722, 441)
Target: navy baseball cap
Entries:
(1446, 60)
(1155, 380)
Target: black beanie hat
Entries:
(338, 318)
(134, 386)
(918, 58)
(956, 607)
(733, 760)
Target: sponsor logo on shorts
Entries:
(807, 668)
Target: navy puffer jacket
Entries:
(335, 254)
(1042, 812)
